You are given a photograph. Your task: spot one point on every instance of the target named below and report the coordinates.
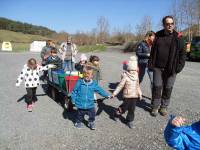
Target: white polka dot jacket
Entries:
(31, 77)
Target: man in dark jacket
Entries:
(167, 59)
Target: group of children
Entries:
(83, 94)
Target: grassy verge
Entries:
(21, 47)
(90, 48)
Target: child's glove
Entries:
(17, 84)
(52, 66)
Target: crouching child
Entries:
(83, 98)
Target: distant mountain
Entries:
(26, 28)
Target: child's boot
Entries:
(91, 125)
(29, 107)
(130, 124)
(78, 125)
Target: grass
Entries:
(18, 37)
(20, 41)
(90, 48)
(19, 47)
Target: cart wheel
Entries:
(53, 93)
(68, 104)
(49, 88)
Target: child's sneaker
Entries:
(78, 125)
(91, 125)
(130, 124)
(29, 107)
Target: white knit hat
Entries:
(132, 63)
(83, 57)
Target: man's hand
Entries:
(178, 121)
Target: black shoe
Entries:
(130, 124)
(163, 111)
(91, 125)
(154, 112)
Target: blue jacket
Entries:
(183, 138)
(143, 52)
(83, 94)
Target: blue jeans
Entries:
(68, 65)
(143, 68)
(82, 112)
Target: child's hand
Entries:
(112, 96)
(178, 121)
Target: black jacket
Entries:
(176, 59)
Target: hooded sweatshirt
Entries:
(130, 85)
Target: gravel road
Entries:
(49, 127)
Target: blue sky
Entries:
(82, 15)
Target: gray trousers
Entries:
(162, 88)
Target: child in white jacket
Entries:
(131, 91)
(30, 74)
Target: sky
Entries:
(81, 15)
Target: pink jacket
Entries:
(130, 85)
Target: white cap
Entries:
(132, 63)
(83, 57)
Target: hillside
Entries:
(26, 28)
(18, 37)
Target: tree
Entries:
(102, 29)
(186, 14)
(143, 27)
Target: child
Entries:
(54, 59)
(131, 91)
(182, 137)
(83, 98)
(94, 64)
(30, 74)
(79, 66)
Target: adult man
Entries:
(167, 59)
(46, 50)
(68, 52)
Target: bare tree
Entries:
(186, 15)
(102, 29)
(143, 27)
(198, 15)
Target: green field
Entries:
(19, 41)
(90, 48)
(18, 37)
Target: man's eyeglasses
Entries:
(168, 24)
